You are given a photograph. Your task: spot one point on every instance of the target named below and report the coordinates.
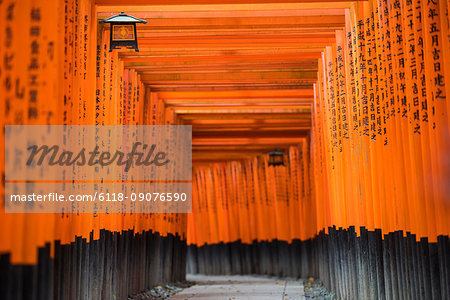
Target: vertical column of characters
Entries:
(253, 200)
(292, 207)
(114, 85)
(407, 163)
(191, 234)
(218, 210)
(243, 199)
(211, 212)
(318, 150)
(340, 101)
(133, 93)
(237, 186)
(387, 108)
(184, 156)
(87, 76)
(293, 193)
(281, 173)
(394, 120)
(226, 202)
(168, 118)
(141, 96)
(151, 224)
(160, 120)
(302, 190)
(270, 201)
(126, 217)
(270, 185)
(65, 104)
(209, 209)
(111, 111)
(80, 110)
(328, 95)
(75, 110)
(301, 194)
(100, 102)
(379, 132)
(232, 203)
(444, 15)
(43, 96)
(372, 96)
(331, 117)
(212, 206)
(258, 171)
(435, 65)
(4, 220)
(250, 200)
(17, 61)
(321, 96)
(141, 218)
(90, 100)
(151, 120)
(357, 219)
(90, 24)
(204, 206)
(363, 48)
(423, 97)
(125, 96)
(336, 121)
(414, 128)
(134, 134)
(133, 90)
(348, 110)
(307, 181)
(120, 93)
(315, 158)
(7, 63)
(196, 209)
(343, 127)
(358, 56)
(78, 113)
(220, 203)
(196, 214)
(261, 234)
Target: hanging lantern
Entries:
(123, 31)
(276, 158)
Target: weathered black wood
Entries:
(434, 271)
(371, 266)
(444, 265)
(6, 284)
(395, 272)
(379, 264)
(119, 264)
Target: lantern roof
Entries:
(123, 18)
(276, 152)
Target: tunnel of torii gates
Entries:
(354, 94)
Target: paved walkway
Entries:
(240, 288)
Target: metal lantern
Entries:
(276, 158)
(123, 31)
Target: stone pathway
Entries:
(240, 288)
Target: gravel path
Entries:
(251, 288)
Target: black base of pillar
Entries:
(370, 266)
(115, 266)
